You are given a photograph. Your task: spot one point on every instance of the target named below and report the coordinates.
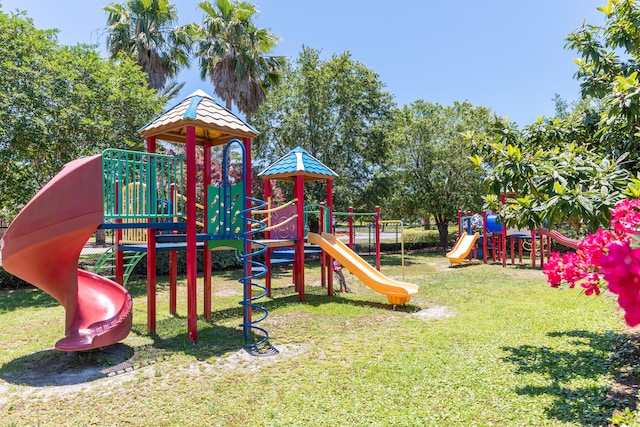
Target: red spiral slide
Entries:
(43, 244)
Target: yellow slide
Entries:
(397, 292)
(462, 248)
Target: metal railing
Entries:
(138, 185)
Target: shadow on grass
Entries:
(31, 297)
(586, 358)
(55, 368)
(465, 264)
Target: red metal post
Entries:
(520, 250)
(192, 312)
(484, 236)
(533, 247)
(377, 222)
(119, 267)
(473, 254)
(151, 259)
(267, 235)
(323, 255)
(512, 241)
(173, 262)
(299, 265)
(248, 249)
(329, 227)
(351, 233)
(503, 246)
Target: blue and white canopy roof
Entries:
(298, 162)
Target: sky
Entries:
(507, 55)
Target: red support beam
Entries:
(323, 254)
(377, 222)
(119, 267)
(299, 256)
(329, 262)
(192, 267)
(173, 262)
(248, 249)
(151, 260)
(351, 231)
(267, 235)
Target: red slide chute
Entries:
(43, 244)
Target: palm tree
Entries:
(234, 54)
(146, 31)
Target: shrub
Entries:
(9, 281)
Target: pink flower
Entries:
(632, 317)
(591, 284)
(607, 254)
(553, 269)
(592, 247)
(572, 268)
(621, 266)
(626, 216)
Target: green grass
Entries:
(513, 352)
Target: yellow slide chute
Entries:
(462, 248)
(397, 292)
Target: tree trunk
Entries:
(443, 229)
(426, 222)
(101, 237)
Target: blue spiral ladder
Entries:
(255, 344)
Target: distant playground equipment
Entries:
(464, 245)
(150, 201)
(484, 237)
(492, 237)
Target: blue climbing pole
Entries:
(256, 338)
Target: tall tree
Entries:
(432, 161)
(338, 112)
(608, 72)
(554, 178)
(234, 54)
(58, 103)
(146, 31)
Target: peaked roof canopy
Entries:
(213, 122)
(298, 162)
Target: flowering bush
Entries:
(606, 258)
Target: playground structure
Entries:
(151, 201)
(299, 167)
(484, 237)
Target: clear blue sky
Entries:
(507, 55)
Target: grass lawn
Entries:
(479, 346)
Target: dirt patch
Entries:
(53, 373)
(440, 312)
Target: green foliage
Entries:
(430, 238)
(626, 418)
(235, 54)
(432, 164)
(9, 281)
(607, 70)
(60, 103)
(552, 180)
(145, 32)
(338, 112)
(220, 260)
